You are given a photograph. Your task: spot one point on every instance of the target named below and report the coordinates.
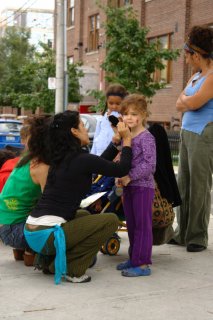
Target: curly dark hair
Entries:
(202, 37)
(38, 143)
(62, 142)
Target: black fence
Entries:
(174, 142)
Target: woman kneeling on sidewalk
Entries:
(56, 225)
(23, 189)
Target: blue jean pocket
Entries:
(6, 235)
(13, 235)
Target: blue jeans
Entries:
(13, 235)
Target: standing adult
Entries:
(196, 150)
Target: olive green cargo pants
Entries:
(195, 182)
(84, 237)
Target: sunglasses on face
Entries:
(188, 49)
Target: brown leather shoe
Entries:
(18, 254)
(28, 259)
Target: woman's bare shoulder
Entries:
(38, 172)
(38, 166)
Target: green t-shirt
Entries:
(19, 196)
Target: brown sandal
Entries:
(28, 259)
(18, 254)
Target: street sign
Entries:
(51, 83)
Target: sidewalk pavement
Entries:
(180, 288)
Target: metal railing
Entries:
(174, 142)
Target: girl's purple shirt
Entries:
(143, 160)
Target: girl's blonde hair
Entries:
(136, 102)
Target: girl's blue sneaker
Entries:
(136, 272)
(124, 265)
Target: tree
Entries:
(74, 73)
(15, 53)
(130, 58)
(24, 73)
(42, 68)
(36, 73)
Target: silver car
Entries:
(90, 121)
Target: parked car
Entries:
(90, 121)
(10, 133)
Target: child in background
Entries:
(9, 164)
(138, 188)
(104, 132)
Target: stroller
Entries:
(111, 201)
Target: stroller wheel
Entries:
(103, 249)
(112, 246)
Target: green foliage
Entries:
(15, 53)
(130, 58)
(101, 100)
(24, 73)
(74, 73)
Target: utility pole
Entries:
(65, 58)
(60, 55)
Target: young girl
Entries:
(104, 132)
(138, 190)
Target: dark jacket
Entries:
(164, 174)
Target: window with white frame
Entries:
(71, 13)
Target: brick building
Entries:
(168, 20)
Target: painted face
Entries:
(113, 103)
(133, 118)
(81, 133)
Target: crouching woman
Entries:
(56, 226)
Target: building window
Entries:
(71, 60)
(94, 26)
(128, 2)
(119, 3)
(71, 13)
(114, 3)
(165, 75)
